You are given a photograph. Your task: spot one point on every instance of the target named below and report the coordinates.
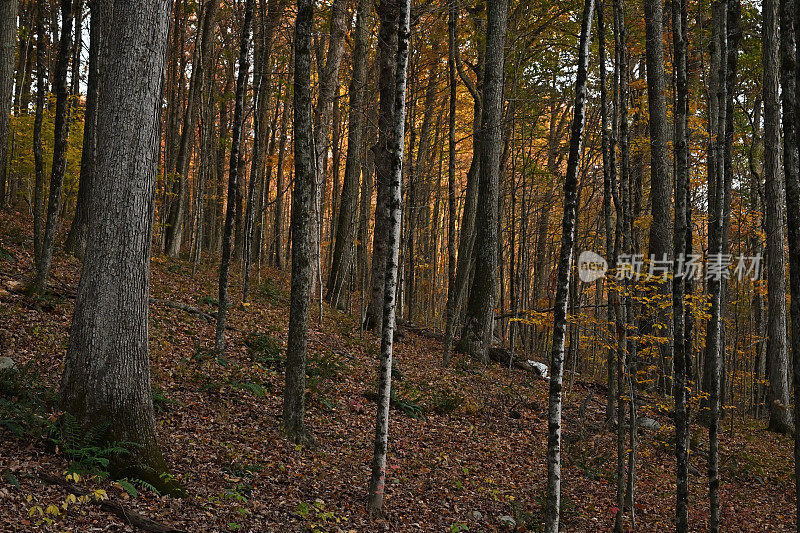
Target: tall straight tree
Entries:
(387, 52)
(451, 163)
(660, 186)
(477, 335)
(76, 238)
(378, 479)
(106, 380)
(233, 175)
(8, 46)
(346, 224)
(793, 226)
(681, 356)
(302, 228)
(716, 186)
(780, 416)
(60, 131)
(552, 513)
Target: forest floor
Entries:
(467, 443)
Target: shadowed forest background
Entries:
(270, 265)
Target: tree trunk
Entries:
(780, 416)
(60, 132)
(106, 381)
(278, 257)
(328, 85)
(564, 268)
(387, 52)
(716, 173)
(303, 201)
(8, 45)
(681, 357)
(348, 205)
(793, 225)
(76, 238)
(451, 161)
(477, 335)
(233, 175)
(38, 190)
(378, 478)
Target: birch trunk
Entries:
(378, 478)
(564, 267)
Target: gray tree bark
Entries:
(681, 356)
(303, 202)
(716, 178)
(552, 513)
(8, 46)
(378, 478)
(60, 132)
(348, 206)
(780, 416)
(106, 380)
(233, 175)
(477, 335)
(76, 238)
(387, 52)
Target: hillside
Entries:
(467, 443)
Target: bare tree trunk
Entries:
(780, 416)
(564, 267)
(378, 478)
(716, 173)
(328, 84)
(793, 226)
(60, 132)
(348, 205)
(451, 163)
(41, 89)
(303, 228)
(106, 380)
(278, 254)
(233, 175)
(76, 238)
(680, 355)
(387, 51)
(477, 335)
(608, 185)
(8, 46)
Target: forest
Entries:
(399, 265)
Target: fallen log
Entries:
(499, 355)
(112, 506)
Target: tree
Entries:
(60, 133)
(479, 321)
(303, 201)
(564, 268)
(780, 416)
(792, 180)
(106, 380)
(76, 238)
(716, 174)
(8, 45)
(233, 175)
(451, 163)
(387, 52)
(681, 355)
(346, 225)
(378, 478)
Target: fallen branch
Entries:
(112, 506)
